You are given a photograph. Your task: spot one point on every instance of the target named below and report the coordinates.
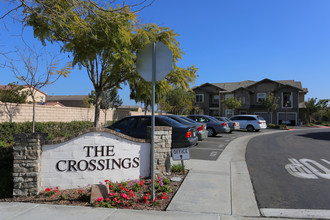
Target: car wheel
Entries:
(250, 128)
(211, 132)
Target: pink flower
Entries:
(123, 195)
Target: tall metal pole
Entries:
(153, 122)
(286, 112)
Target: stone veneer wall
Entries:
(163, 142)
(27, 158)
(28, 150)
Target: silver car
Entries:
(234, 125)
(202, 133)
(214, 126)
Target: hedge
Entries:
(53, 129)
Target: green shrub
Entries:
(273, 126)
(53, 129)
(176, 168)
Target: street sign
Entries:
(164, 61)
(181, 153)
(154, 62)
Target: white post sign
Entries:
(181, 153)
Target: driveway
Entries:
(291, 170)
(212, 147)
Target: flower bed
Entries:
(135, 194)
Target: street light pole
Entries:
(286, 120)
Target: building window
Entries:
(199, 98)
(287, 99)
(41, 99)
(229, 113)
(215, 99)
(261, 97)
(242, 99)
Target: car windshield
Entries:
(188, 119)
(169, 121)
(213, 119)
(227, 119)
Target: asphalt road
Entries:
(211, 147)
(291, 170)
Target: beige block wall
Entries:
(63, 114)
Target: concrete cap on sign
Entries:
(164, 61)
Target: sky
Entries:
(227, 40)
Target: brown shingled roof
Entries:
(232, 86)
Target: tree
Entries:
(271, 102)
(323, 108)
(179, 101)
(312, 106)
(34, 76)
(232, 103)
(110, 99)
(11, 96)
(140, 90)
(102, 40)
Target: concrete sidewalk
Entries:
(212, 190)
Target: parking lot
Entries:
(211, 147)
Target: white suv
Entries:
(250, 122)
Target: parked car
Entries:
(214, 126)
(234, 125)
(202, 133)
(250, 122)
(136, 126)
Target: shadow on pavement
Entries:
(317, 135)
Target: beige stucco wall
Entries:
(63, 114)
(38, 96)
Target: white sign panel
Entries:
(93, 158)
(181, 153)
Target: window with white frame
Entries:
(199, 98)
(229, 113)
(287, 99)
(261, 97)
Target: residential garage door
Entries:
(289, 118)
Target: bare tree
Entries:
(37, 73)
(11, 96)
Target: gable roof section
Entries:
(207, 84)
(233, 86)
